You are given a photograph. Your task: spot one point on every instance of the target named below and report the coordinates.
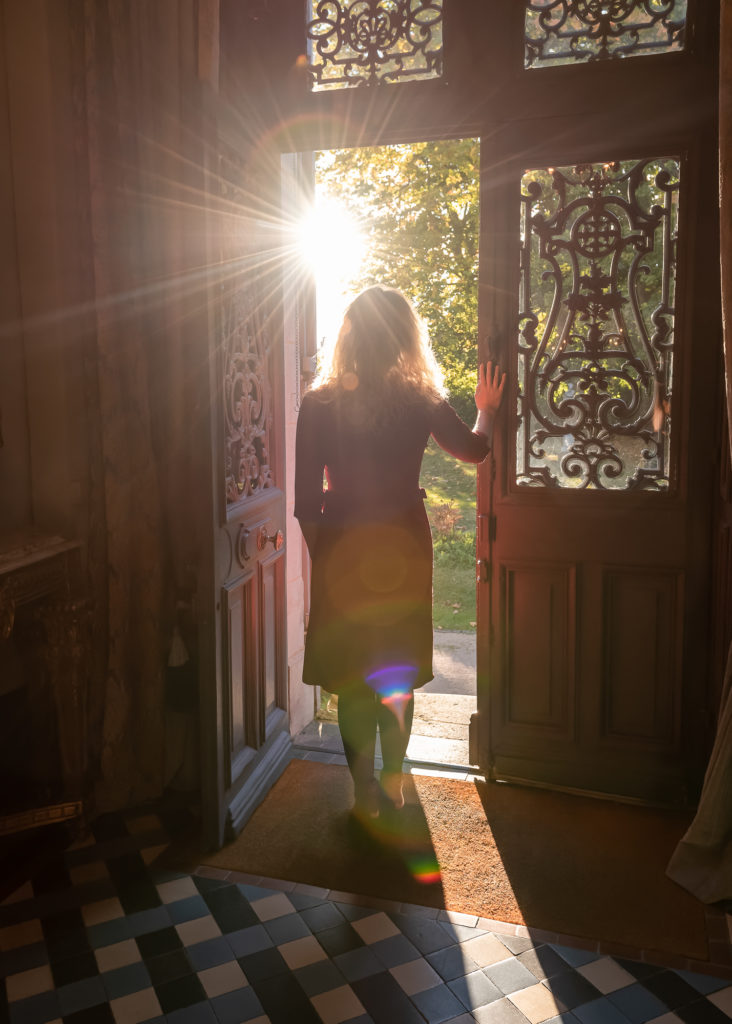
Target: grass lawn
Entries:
(450, 487)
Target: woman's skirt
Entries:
(371, 602)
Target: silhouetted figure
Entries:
(365, 426)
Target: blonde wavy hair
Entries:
(382, 353)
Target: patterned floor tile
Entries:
(102, 936)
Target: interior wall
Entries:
(44, 464)
(15, 499)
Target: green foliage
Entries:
(448, 482)
(457, 548)
(418, 207)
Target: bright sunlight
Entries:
(334, 248)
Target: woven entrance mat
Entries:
(572, 865)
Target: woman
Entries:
(366, 424)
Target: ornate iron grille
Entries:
(596, 320)
(365, 42)
(569, 31)
(247, 398)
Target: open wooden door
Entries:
(598, 264)
(593, 511)
(244, 693)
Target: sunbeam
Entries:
(333, 247)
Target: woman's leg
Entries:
(357, 723)
(394, 715)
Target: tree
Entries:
(418, 206)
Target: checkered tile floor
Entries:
(101, 935)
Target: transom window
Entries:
(572, 31)
(367, 42)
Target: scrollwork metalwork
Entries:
(595, 350)
(365, 42)
(247, 397)
(569, 31)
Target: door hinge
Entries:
(483, 574)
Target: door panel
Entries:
(584, 625)
(251, 745)
(539, 612)
(642, 628)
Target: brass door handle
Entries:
(276, 539)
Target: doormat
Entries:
(570, 865)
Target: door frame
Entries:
(486, 93)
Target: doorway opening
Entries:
(408, 215)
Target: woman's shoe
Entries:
(391, 785)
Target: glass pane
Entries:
(365, 42)
(570, 31)
(596, 323)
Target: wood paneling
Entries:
(539, 622)
(240, 669)
(641, 641)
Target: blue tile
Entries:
(394, 951)
(600, 1011)
(109, 932)
(321, 977)
(124, 980)
(341, 939)
(285, 929)
(148, 921)
(451, 963)
(703, 983)
(510, 976)
(542, 961)
(438, 1004)
(575, 957)
(353, 913)
(236, 1007)
(357, 963)
(199, 1013)
(80, 995)
(210, 953)
(460, 932)
(637, 1004)
(327, 915)
(304, 901)
(36, 1009)
(475, 990)
(187, 909)
(426, 933)
(254, 892)
(249, 940)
